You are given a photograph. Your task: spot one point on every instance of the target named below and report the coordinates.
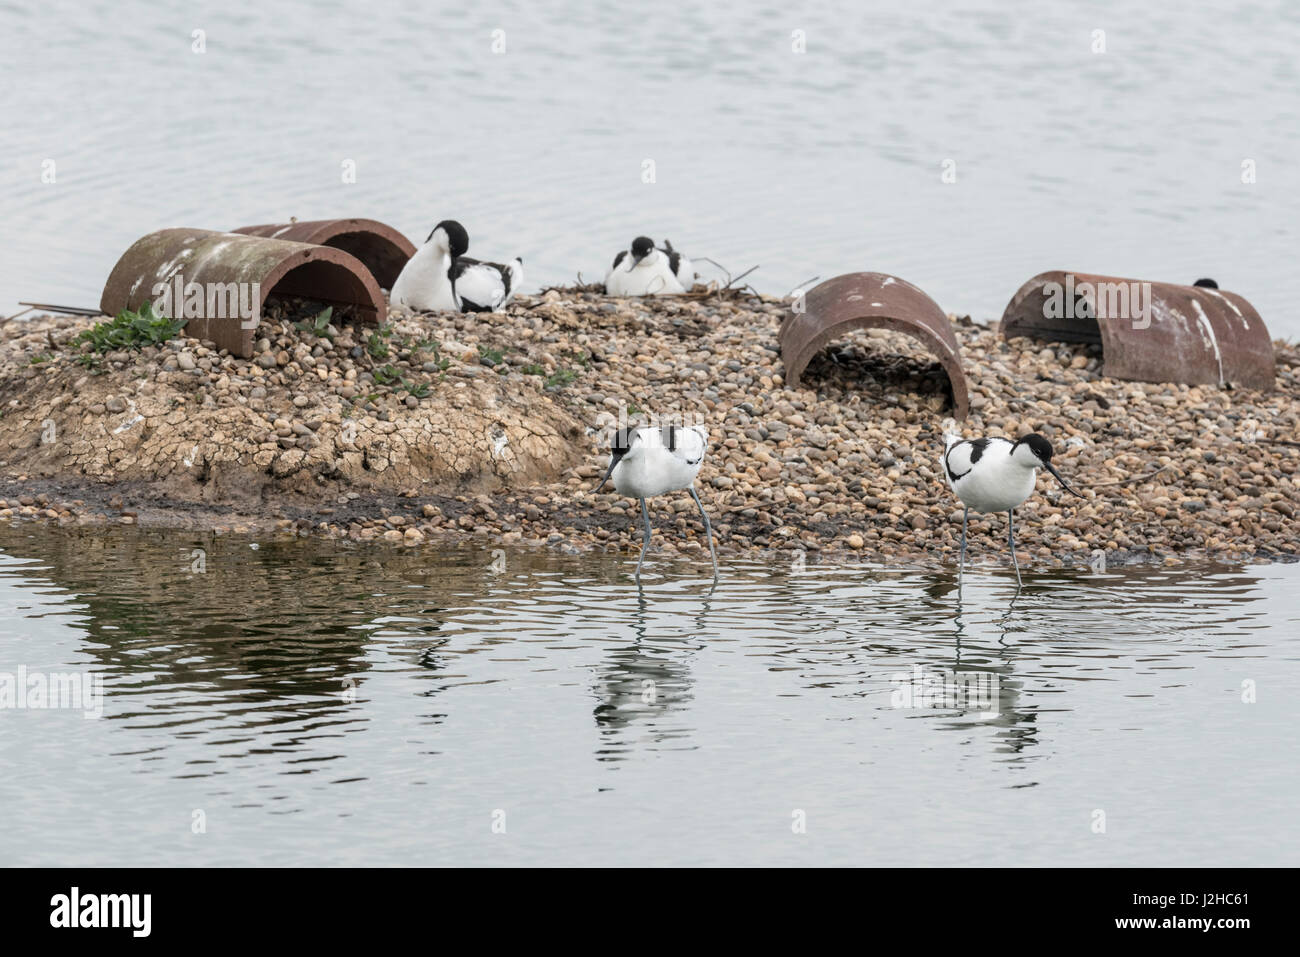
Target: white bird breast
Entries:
(995, 483)
(423, 283)
(650, 468)
(650, 277)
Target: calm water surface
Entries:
(325, 704)
(1127, 162)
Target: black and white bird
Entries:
(649, 461)
(644, 270)
(996, 475)
(441, 277)
(485, 287)
(681, 267)
(1206, 283)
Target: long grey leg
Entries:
(1011, 537)
(645, 542)
(708, 531)
(961, 556)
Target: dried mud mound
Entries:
(404, 407)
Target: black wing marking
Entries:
(977, 450)
(619, 258)
(458, 266)
(671, 433)
(674, 257)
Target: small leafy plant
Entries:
(441, 361)
(490, 357)
(387, 375)
(319, 327)
(376, 343)
(582, 358)
(131, 330)
(560, 378)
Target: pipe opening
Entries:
(879, 362)
(327, 283)
(383, 257)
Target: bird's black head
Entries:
(620, 443)
(641, 247)
(457, 238)
(1041, 448)
(1207, 283)
(618, 447)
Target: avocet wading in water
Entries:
(996, 475)
(441, 277)
(649, 461)
(644, 270)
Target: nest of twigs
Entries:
(715, 291)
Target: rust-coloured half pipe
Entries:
(871, 300)
(230, 274)
(1149, 331)
(381, 247)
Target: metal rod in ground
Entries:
(68, 310)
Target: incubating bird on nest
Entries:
(645, 270)
(441, 277)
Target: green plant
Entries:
(560, 378)
(319, 327)
(418, 389)
(131, 330)
(438, 358)
(90, 361)
(40, 357)
(493, 356)
(533, 370)
(387, 375)
(376, 344)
